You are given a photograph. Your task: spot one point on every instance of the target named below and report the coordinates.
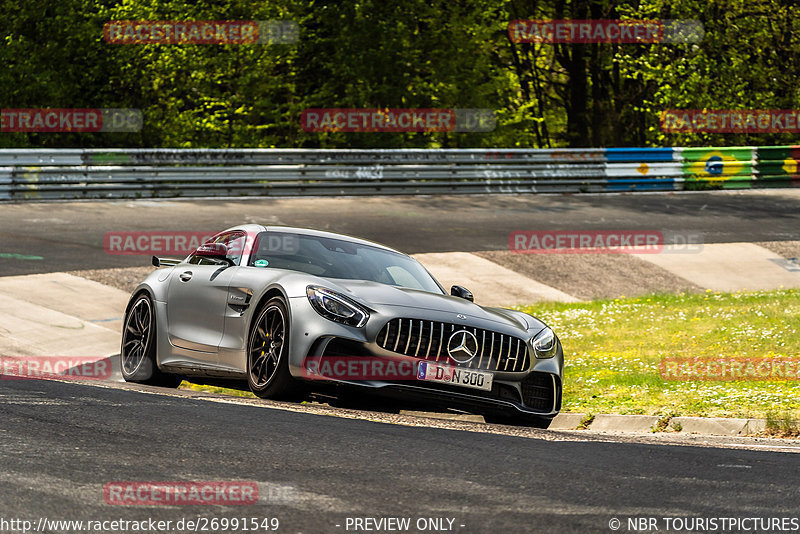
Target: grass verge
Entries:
(216, 389)
(613, 349)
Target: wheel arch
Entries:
(271, 292)
(139, 291)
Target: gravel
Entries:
(593, 276)
(126, 278)
(785, 249)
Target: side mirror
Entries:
(462, 292)
(214, 251)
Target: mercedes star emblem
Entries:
(462, 346)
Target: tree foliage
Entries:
(409, 54)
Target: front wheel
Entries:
(137, 352)
(268, 352)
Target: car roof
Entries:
(257, 228)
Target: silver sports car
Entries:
(291, 310)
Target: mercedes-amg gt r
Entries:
(289, 309)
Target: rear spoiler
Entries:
(164, 262)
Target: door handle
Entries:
(185, 277)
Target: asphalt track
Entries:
(69, 235)
(62, 442)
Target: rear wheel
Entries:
(137, 353)
(268, 353)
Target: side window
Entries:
(196, 259)
(234, 241)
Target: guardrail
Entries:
(42, 174)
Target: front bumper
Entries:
(536, 391)
(503, 398)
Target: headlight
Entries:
(336, 307)
(545, 344)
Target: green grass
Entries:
(216, 389)
(612, 351)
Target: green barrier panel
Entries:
(778, 166)
(714, 167)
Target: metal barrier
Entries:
(41, 174)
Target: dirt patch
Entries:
(126, 278)
(785, 249)
(593, 276)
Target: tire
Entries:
(137, 353)
(268, 353)
(519, 420)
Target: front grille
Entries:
(538, 392)
(428, 340)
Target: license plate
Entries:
(456, 376)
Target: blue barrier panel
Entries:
(633, 155)
(645, 184)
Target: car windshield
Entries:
(337, 258)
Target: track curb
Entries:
(637, 424)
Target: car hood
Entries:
(373, 294)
